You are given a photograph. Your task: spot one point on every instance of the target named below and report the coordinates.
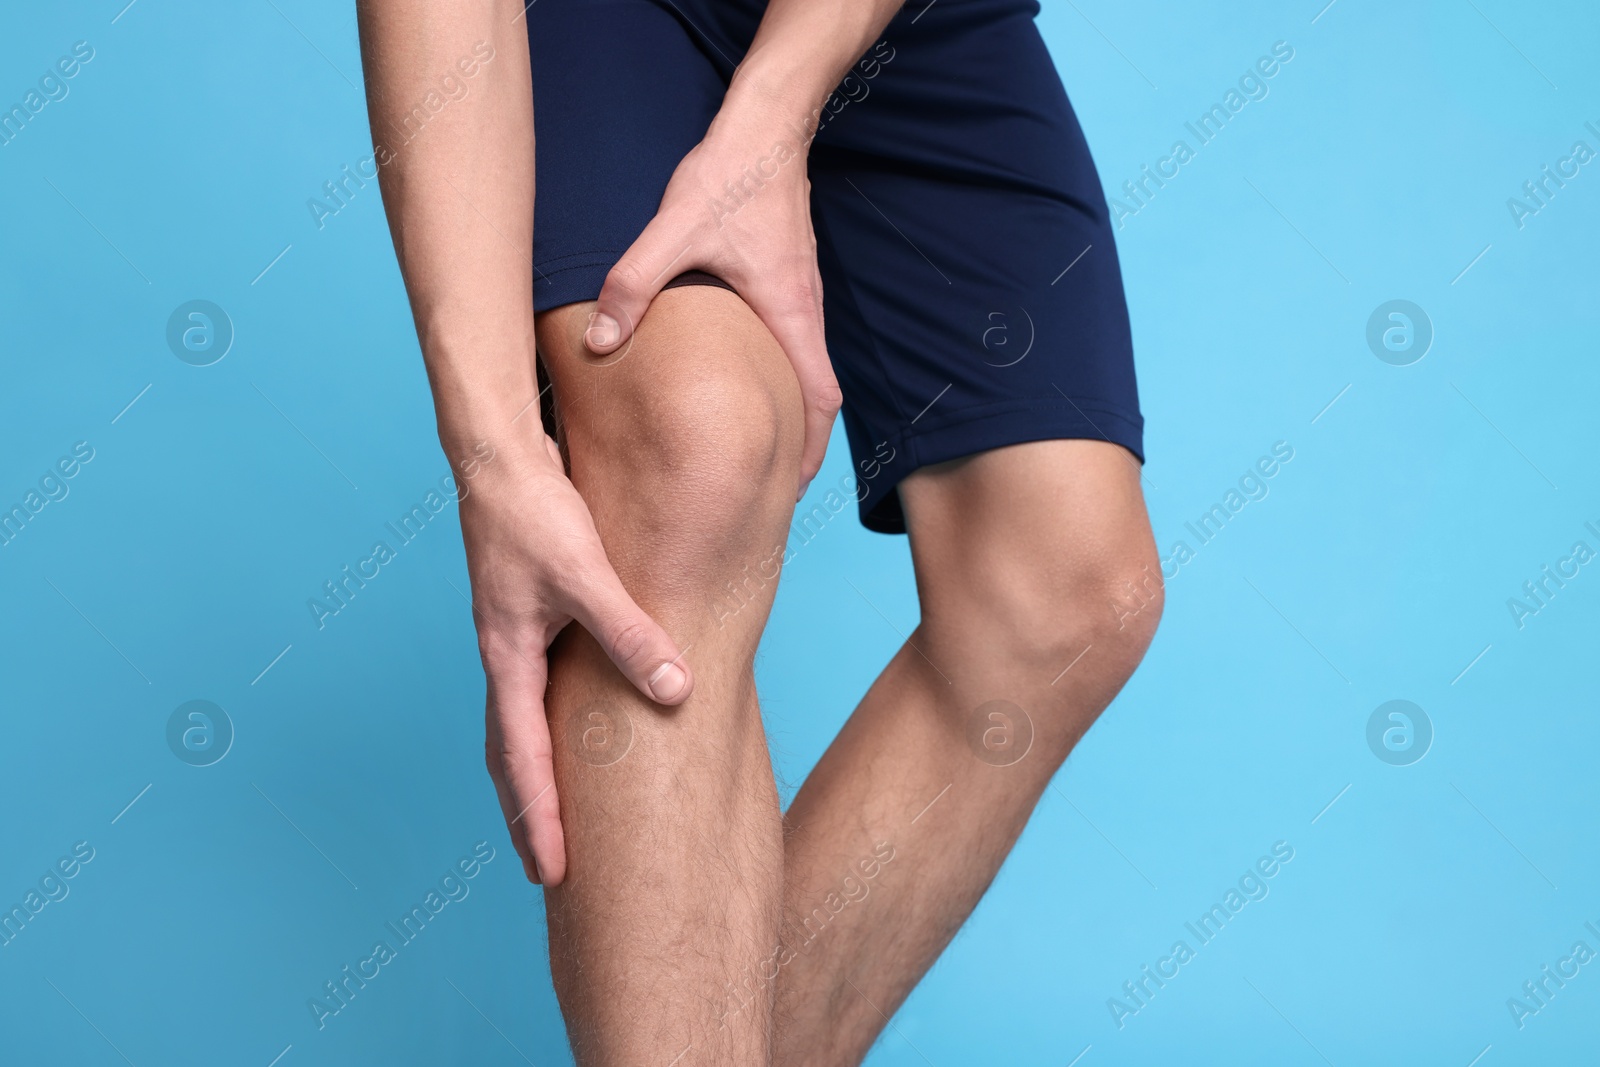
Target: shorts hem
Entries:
(582, 282)
(993, 426)
(573, 283)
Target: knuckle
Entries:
(626, 278)
(491, 648)
(495, 648)
(629, 643)
(800, 298)
(521, 754)
(828, 398)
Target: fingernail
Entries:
(668, 682)
(538, 875)
(530, 867)
(603, 331)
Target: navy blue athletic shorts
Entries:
(971, 287)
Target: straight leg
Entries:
(684, 447)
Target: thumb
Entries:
(630, 287)
(640, 648)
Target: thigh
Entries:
(1030, 530)
(974, 295)
(1039, 581)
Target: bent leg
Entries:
(684, 447)
(1040, 591)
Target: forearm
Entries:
(451, 109)
(801, 52)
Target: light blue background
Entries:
(1378, 567)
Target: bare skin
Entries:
(683, 445)
(1024, 558)
(458, 192)
(635, 786)
(1021, 555)
(664, 944)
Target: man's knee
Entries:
(1041, 556)
(1137, 595)
(1065, 644)
(1055, 620)
(686, 446)
(1100, 614)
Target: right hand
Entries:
(537, 564)
(763, 246)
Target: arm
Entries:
(801, 52)
(763, 246)
(451, 108)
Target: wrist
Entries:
(772, 96)
(484, 391)
(494, 434)
(486, 470)
(777, 94)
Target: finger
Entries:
(631, 285)
(517, 694)
(640, 648)
(794, 315)
(492, 749)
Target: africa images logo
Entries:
(1252, 885)
(1252, 86)
(453, 887)
(1399, 733)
